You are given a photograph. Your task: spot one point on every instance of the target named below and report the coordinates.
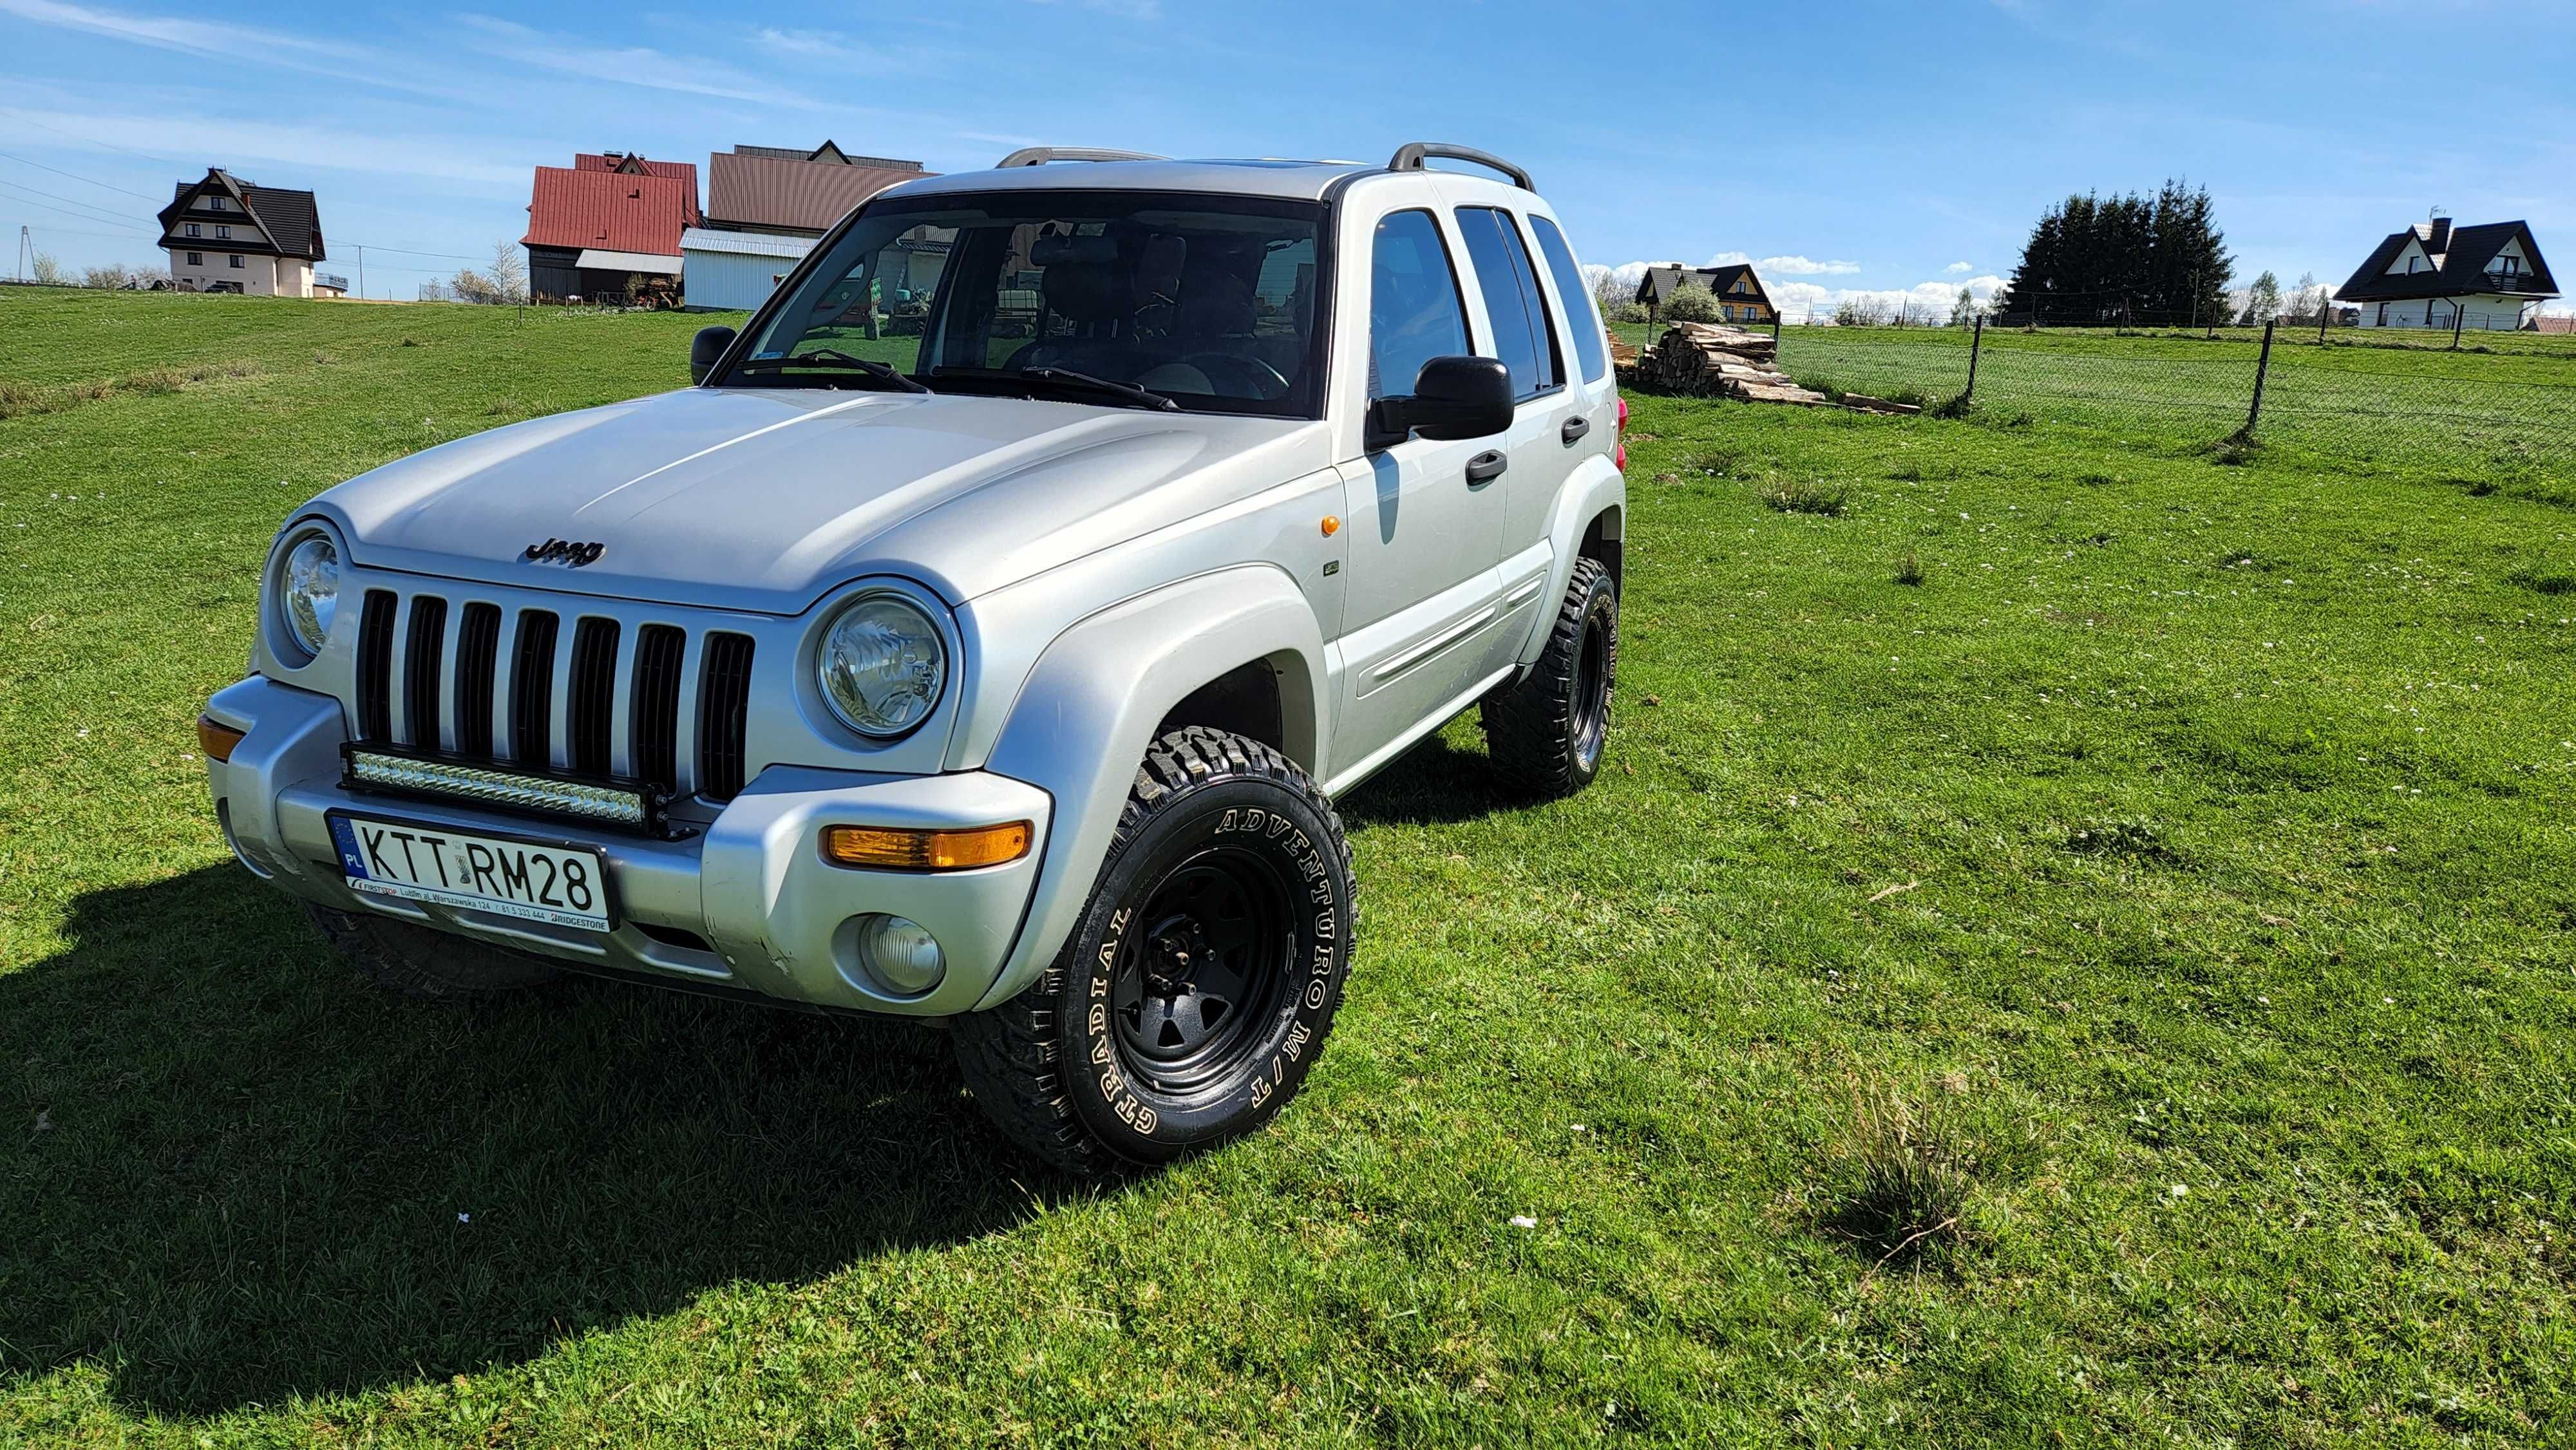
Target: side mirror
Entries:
(705, 348)
(1452, 398)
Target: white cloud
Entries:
(1123, 9)
(1789, 266)
(479, 165)
(1960, 268)
(632, 65)
(231, 42)
(1798, 300)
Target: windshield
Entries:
(1117, 298)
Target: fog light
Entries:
(900, 955)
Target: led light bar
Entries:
(615, 804)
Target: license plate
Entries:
(567, 886)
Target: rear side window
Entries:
(1414, 311)
(1523, 337)
(1579, 315)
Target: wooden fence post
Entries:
(1976, 344)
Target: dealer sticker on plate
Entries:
(562, 885)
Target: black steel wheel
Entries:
(1547, 730)
(1188, 1004)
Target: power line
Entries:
(92, 140)
(54, 231)
(74, 175)
(100, 213)
(74, 215)
(407, 252)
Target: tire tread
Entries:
(1007, 1054)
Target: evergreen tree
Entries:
(2153, 261)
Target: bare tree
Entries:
(113, 277)
(509, 274)
(1860, 312)
(49, 272)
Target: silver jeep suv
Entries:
(983, 637)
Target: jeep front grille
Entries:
(488, 682)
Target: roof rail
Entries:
(1411, 155)
(1041, 155)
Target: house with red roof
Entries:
(606, 218)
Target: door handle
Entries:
(1574, 429)
(1485, 467)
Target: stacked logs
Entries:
(1705, 359)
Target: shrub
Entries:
(1631, 312)
(1692, 303)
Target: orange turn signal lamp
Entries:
(215, 739)
(893, 848)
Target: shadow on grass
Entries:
(1431, 784)
(230, 1173)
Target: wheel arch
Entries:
(1106, 687)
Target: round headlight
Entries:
(309, 591)
(882, 665)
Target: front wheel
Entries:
(1202, 979)
(1546, 730)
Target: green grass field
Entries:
(2500, 411)
(2171, 889)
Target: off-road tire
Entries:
(1548, 730)
(414, 961)
(1071, 1070)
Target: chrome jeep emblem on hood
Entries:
(564, 552)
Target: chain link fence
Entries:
(2505, 408)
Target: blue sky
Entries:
(1864, 146)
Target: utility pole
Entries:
(24, 246)
(362, 274)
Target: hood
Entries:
(763, 499)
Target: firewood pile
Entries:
(1705, 359)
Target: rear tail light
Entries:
(1619, 458)
(1623, 415)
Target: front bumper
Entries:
(752, 885)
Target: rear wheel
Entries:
(1201, 980)
(1546, 731)
(414, 961)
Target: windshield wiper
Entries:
(884, 373)
(1129, 392)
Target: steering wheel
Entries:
(1267, 383)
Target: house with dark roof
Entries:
(1739, 291)
(225, 234)
(2433, 274)
(765, 207)
(608, 217)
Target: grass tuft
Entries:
(1900, 1189)
(1805, 496)
(1909, 570)
(2545, 581)
(2120, 836)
